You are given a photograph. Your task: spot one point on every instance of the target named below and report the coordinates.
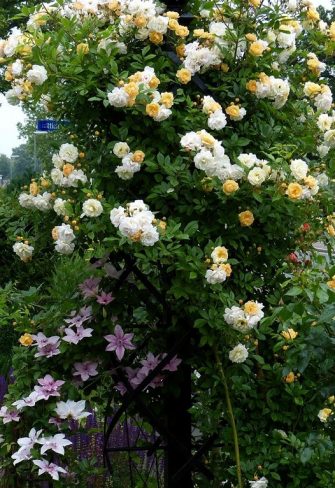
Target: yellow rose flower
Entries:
(251, 308)
(246, 218)
(154, 82)
(152, 109)
(311, 182)
(251, 86)
(136, 77)
(331, 230)
(331, 283)
(251, 37)
(255, 3)
(167, 99)
(156, 37)
(289, 334)
(184, 76)
(290, 378)
(294, 191)
(68, 169)
(207, 139)
(132, 89)
(83, 48)
(172, 15)
(227, 269)
(219, 254)
(312, 89)
(26, 340)
(8, 76)
(233, 110)
(180, 50)
(257, 48)
(224, 67)
(140, 21)
(182, 31)
(313, 15)
(314, 66)
(230, 186)
(173, 24)
(54, 233)
(33, 188)
(324, 414)
(138, 156)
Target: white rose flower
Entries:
(24, 251)
(65, 233)
(137, 206)
(57, 176)
(324, 122)
(68, 153)
(248, 159)
(322, 180)
(26, 200)
(214, 276)
(92, 208)
(59, 206)
(239, 354)
(121, 149)
(17, 67)
(37, 75)
(256, 176)
(116, 215)
(231, 315)
(323, 150)
(158, 24)
(219, 255)
(57, 161)
(203, 159)
(118, 97)
(191, 141)
(163, 114)
(329, 137)
(217, 28)
(149, 235)
(64, 247)
(12, 95)
(299, 168)
(129, 226)
(292, 5)
(217, 120)
(261, 483)
(43, 202)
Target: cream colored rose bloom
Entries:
(92, 208)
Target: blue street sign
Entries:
(49, 125)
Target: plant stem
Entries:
(231, 418)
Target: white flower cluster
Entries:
(261, 483)
(321, 95)
(131, 162)
(198, 57)
(244, 318)
(285, 38)
(216, 118)
(24, 251)
(220, 270)
(325, 123)
(136, 222)
(145, 83)
(210, 156)
(40, 202)
(63, 236)
(64, 173)
(274, 89)
(310, 186)
(238, 354)
(259, 169)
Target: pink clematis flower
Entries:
(84, 315)
(49, 468)
(149, 363)
(105, 298)
(119, 342)
(73, 337)
(46, 346)
(90, 287)
(9, 415)
(29, 401)
(85, 370)
(48, 387)
(173, 364)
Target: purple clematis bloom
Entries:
(73, 337)
(149, 363)
(46, 346)
(105, 298)
(85, 370)
(173, 364)
(48, 387)
(84, 314)
(119, 342)
(90, 287)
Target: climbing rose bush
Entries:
(203, 152)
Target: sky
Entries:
(10, 116)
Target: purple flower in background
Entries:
(105, 298)
(157, 381)
(90, 287)
(173, 364)
(48, 387)
(73, 337)
(120, 387)
(85, 370)
(84, 314)
(46, 346)
(149, 363)
(49, 468)
(119, 342)
(9, 415)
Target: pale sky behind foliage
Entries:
(10, 115)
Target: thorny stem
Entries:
(231, 418)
